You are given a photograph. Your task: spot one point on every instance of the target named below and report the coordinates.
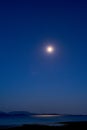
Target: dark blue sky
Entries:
(29, 78)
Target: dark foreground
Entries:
(67, 125)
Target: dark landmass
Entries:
(67, 125)
(20, 113)
(3, 114)
(15, 113)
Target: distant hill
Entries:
(15, 113)
(20, 113)
(2, 114)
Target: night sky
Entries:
(30, 78)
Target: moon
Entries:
(50, 49)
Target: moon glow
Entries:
(49, 49)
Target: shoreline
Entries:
(64, 125)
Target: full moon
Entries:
(49, 49)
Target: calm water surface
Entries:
(39, 120)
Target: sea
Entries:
(44, 120)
